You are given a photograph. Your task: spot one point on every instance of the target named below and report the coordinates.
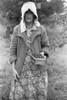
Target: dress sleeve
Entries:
(13, 46)
(45, 42)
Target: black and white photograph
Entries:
(33, 49)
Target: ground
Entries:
(57, 69)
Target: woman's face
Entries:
(29, 17)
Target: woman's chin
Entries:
(29, 21)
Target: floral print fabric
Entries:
(32, 84)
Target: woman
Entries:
(29, 37)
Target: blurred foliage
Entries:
(56, 26)
(13, 8)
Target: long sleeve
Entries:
(45, 42)
(13, 46)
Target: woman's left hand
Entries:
(42, 53)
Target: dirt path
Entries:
(4, 65)
(4, 46)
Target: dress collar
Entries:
(33, 28)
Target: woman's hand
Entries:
(42, 53)
(45, 54)
(15, 73)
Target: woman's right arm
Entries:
(13, 46)
(13, 51)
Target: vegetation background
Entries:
(53, 15)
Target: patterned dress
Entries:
(33, 81)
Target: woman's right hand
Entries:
(15, 73)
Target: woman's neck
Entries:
(29, 25)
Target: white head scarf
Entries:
(24, 9)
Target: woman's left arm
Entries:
(45, 42)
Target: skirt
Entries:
(32, 85)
